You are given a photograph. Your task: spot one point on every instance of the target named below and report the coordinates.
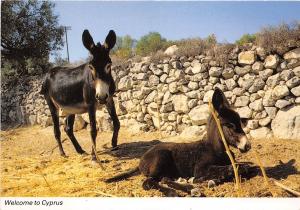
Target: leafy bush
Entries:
(279, 39)
(124, 47)
(30, 30)
(195, 46)
(245, 39)
(151, 43)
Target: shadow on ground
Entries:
(131, 150)
(278, 172)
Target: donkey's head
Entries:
(231, 122)
(100, 65)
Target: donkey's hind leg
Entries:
(55, 118)
(69, 122)
(151, 183)
(178, 186)
(110, 105)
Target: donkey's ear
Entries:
(219, 100)
(110, 40)
(87, 40)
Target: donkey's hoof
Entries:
(83, 153)
(147, 185)
(211, 183)
(114, 148)
(95, 162)
(197, 192)
(63, 155)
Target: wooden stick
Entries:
(46, 181)
(97, 158)
(53, 147)
(263, 173)
(158, 113)
(293, 192)
(236, 175)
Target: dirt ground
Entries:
(30, 168)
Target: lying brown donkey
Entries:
(173, 160)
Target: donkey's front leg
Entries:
(110, 105)
(92, 116)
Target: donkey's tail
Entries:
(123, 175)
(45, 84)
(44, 88)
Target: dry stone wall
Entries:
(172, 95)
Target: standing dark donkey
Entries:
(81, 89)
(173, 160)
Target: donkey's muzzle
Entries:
(245, 149)
(244, 144)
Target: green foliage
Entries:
(211, 39)
(124, 47)
(195, 46)
(151, 43)
(245, 39)
(30, 31)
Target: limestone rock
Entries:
(280, 91)
(171, 50)
(271, 61)
(247, 57)
(241, 71)
(297, 71)
(273, 80)
(180, 103)
(125, 83)
(257, 105)
(282, 103)
(265, 74)
(261, 133)
(193, 85)
(241, 101)
(173, 88)
(261, 52)
(199, 114)
(153, 80)
(271, 111)
(265, 121)
(286, 75)
(194, 131)
(293, 82)
(244, 112)
(230, 84)
(252, 124)
(198, 68)
(257, 67)
(228, 73)
(286, 124)
(215, 71)
(257, 85)
(296, 91)
(208, 96)
(293, 54)
(247, 81)
(268, 100)
(151, 97)
(79, 123)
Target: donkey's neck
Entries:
(213, 136)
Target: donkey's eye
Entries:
(230, 125)
(108, 68)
